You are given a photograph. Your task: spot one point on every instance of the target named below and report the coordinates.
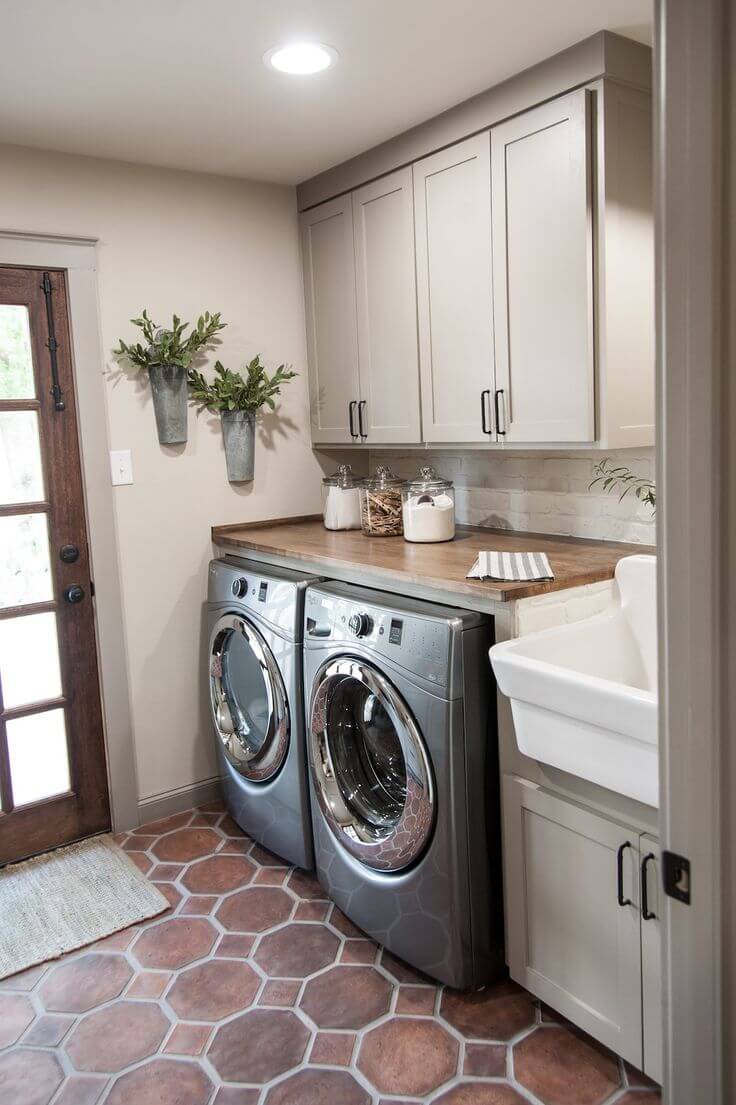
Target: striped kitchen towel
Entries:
(512, 566)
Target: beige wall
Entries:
(180, 242)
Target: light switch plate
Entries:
(121, 466)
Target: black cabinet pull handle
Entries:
(646, 913)
(622, 900)
(497, 407)
(483, 425)
(351, 416)
(361, 408)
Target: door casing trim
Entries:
(78, 256)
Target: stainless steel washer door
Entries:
(249, 704)
(369, 765)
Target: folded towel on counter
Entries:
(514, 566)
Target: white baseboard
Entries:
(174, 801)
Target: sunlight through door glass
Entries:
(21, 474)
(16, 364)
(25, 571)
(39, 762)
(29, 660)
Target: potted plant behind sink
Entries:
(238, 400)
(168, 356)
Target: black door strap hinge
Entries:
(676, 876)
(52, 345)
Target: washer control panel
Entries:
(418, 643)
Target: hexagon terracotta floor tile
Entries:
(253, 989)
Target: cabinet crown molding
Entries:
(604, 54)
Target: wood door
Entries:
(53, 778)
(332, 330)
(383, 226)
(452, 205)
(569, 941)
(651, 956)
(543, 273)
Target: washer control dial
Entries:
(360, 625)
(240, 587)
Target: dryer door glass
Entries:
(370, 766)
(248, 698)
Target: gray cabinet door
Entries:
(651, 957)
(543, 273)
(569, 941)
(452, 210)
(332, 333)
(383, 225)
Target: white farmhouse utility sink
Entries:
(584, 695)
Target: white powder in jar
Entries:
(342, 508)
(428, 519)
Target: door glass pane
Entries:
(241, 694)
(25, 571)
(29, 659)
(21, 474)
(366, 754)
(16, 364)
(39, 762)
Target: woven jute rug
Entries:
(65, 899)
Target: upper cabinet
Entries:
(497, 292)
(332, 336)
(541, 173)
(452, 206)
(383, 227)
(360, 297)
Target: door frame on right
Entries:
(695, 144)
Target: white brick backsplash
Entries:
(560, 607)
(534, 492)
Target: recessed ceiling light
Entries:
(301, 57)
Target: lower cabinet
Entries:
(577, 936)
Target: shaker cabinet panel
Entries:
(543, 273)
(569, 939)
(383, 221)
(452, 202)
(332, 337)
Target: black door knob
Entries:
(69, 554)
(75, 593)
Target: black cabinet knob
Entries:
(75, 593)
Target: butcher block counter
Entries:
(432, 571)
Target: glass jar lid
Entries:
(344, 477)
(428, 482)
(382, 479)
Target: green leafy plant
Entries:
(618, 478)
(170, 347)
(230, 391)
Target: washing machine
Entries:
(402, 748)
(254, 673)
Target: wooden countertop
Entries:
(306, 542)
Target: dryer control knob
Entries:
(240, 587)
(360, 625)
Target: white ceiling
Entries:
(181, 83)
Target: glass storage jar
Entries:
(341, 499)
(380, 504)
(428, 507)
